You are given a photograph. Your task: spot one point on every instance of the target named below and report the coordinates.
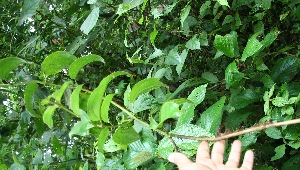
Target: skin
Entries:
(214, 161)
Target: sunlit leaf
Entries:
(145, 86)
(90, 21)
(185, 12)
(81, 62)
(102, 138)
(95, 100)
(28, 10)
(8, 64)
(82, 127)
(223, 2)
(225, 44)
(74, 100)
(56, 62)
(253, 46)
(211, 118)
(47, 116)
(105, 107)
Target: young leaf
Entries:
(28, 97)
(187, 146)
(81, 62)
(8, 64)
(211, 117)
(82, 127)
(90, 21)
(185, 12)
(253, 46)
(56, 61)
(102, 138)
(125, 134)
(74, 100)
(225, 44)
(145, 86)
(59, 93)
(105, 107)
(28, 10)
(47, 116)
(95, 100)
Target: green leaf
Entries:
(105, 107)
(128, 5)
(279, 101)
(28, 10)
(102, 138)
(279, 152)
(79, 63)
(74, 100)
(138, 154)
(225, 44)
(30, 89)
(285, 69)
(210, 77)
(38, 159)
(293, 163)
(145, 86)
(211, 117)
(252, 47)
(47, 116)
(243, 99)
(187, 146)
(273, 133)
(59, 93)
(153, 35)
(8, 64)
(17, 166)
(125, 134)
(179, 66)
(169, 110)
(193, 43)
(56, 61)
(100, 158)
(204, 8)
(82, 127)
(95, 100)
(90, 21)
(143, 102)
(223, 2)
(184, 14)
(270, 37)
(57, 147)
(232, 75)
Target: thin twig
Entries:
(238, 133)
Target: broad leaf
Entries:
(285, 69)
(95, 100)
(232, 75)
(81, 62)
(128, 5)
(38, 159)
(56, 62)
(90, 21)
(273, 133)
(185, 12)
(225, 44)
(279, 152)
(47, 116)
(74, 100)
(8, 64)
(105, 107)
(28, 10)
(211, 118)
(210, 77)
(193, 43)
(223, 2)
(28, 98)
(17, 166)
(270, 37)
(187, 146)
(144, 86)
(102, 138)
(243, 99)
(252, 47)
(179, 66)
(82, 127)
(125, 134)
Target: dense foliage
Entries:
(101, 84)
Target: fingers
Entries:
(180, 160)
(235, 154)
(217, 152)
(248, 160)
(203, 151)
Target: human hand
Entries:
(205, 161)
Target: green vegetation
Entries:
(102, 84)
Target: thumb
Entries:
(179, 159)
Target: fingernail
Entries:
(171, 158)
